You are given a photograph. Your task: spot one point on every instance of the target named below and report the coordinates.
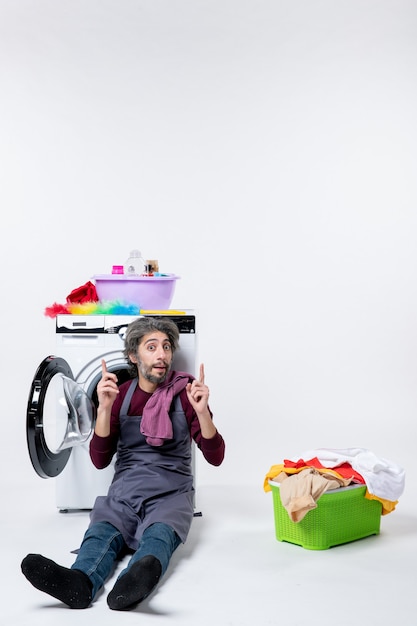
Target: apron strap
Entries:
(126, 400)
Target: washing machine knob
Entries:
(122, 332)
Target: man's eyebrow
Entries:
(153, 339)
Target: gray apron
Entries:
(150, 484)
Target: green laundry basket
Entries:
(342, 515)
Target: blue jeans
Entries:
(103, 544)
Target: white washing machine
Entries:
(63, 400)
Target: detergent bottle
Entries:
(135, 265)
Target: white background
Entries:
(265, 151)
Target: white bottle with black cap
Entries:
(135, 265)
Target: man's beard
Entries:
(146, 373)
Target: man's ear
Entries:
(133, 357)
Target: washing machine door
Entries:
(60, 415)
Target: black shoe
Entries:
(135, 585)
(70, 586)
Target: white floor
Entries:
(232, 570)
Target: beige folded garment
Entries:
(299, 492)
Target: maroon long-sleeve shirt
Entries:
(102, 449)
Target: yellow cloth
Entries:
(387, 505)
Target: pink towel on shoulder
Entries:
(156, 423)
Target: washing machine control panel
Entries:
(114, 324)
